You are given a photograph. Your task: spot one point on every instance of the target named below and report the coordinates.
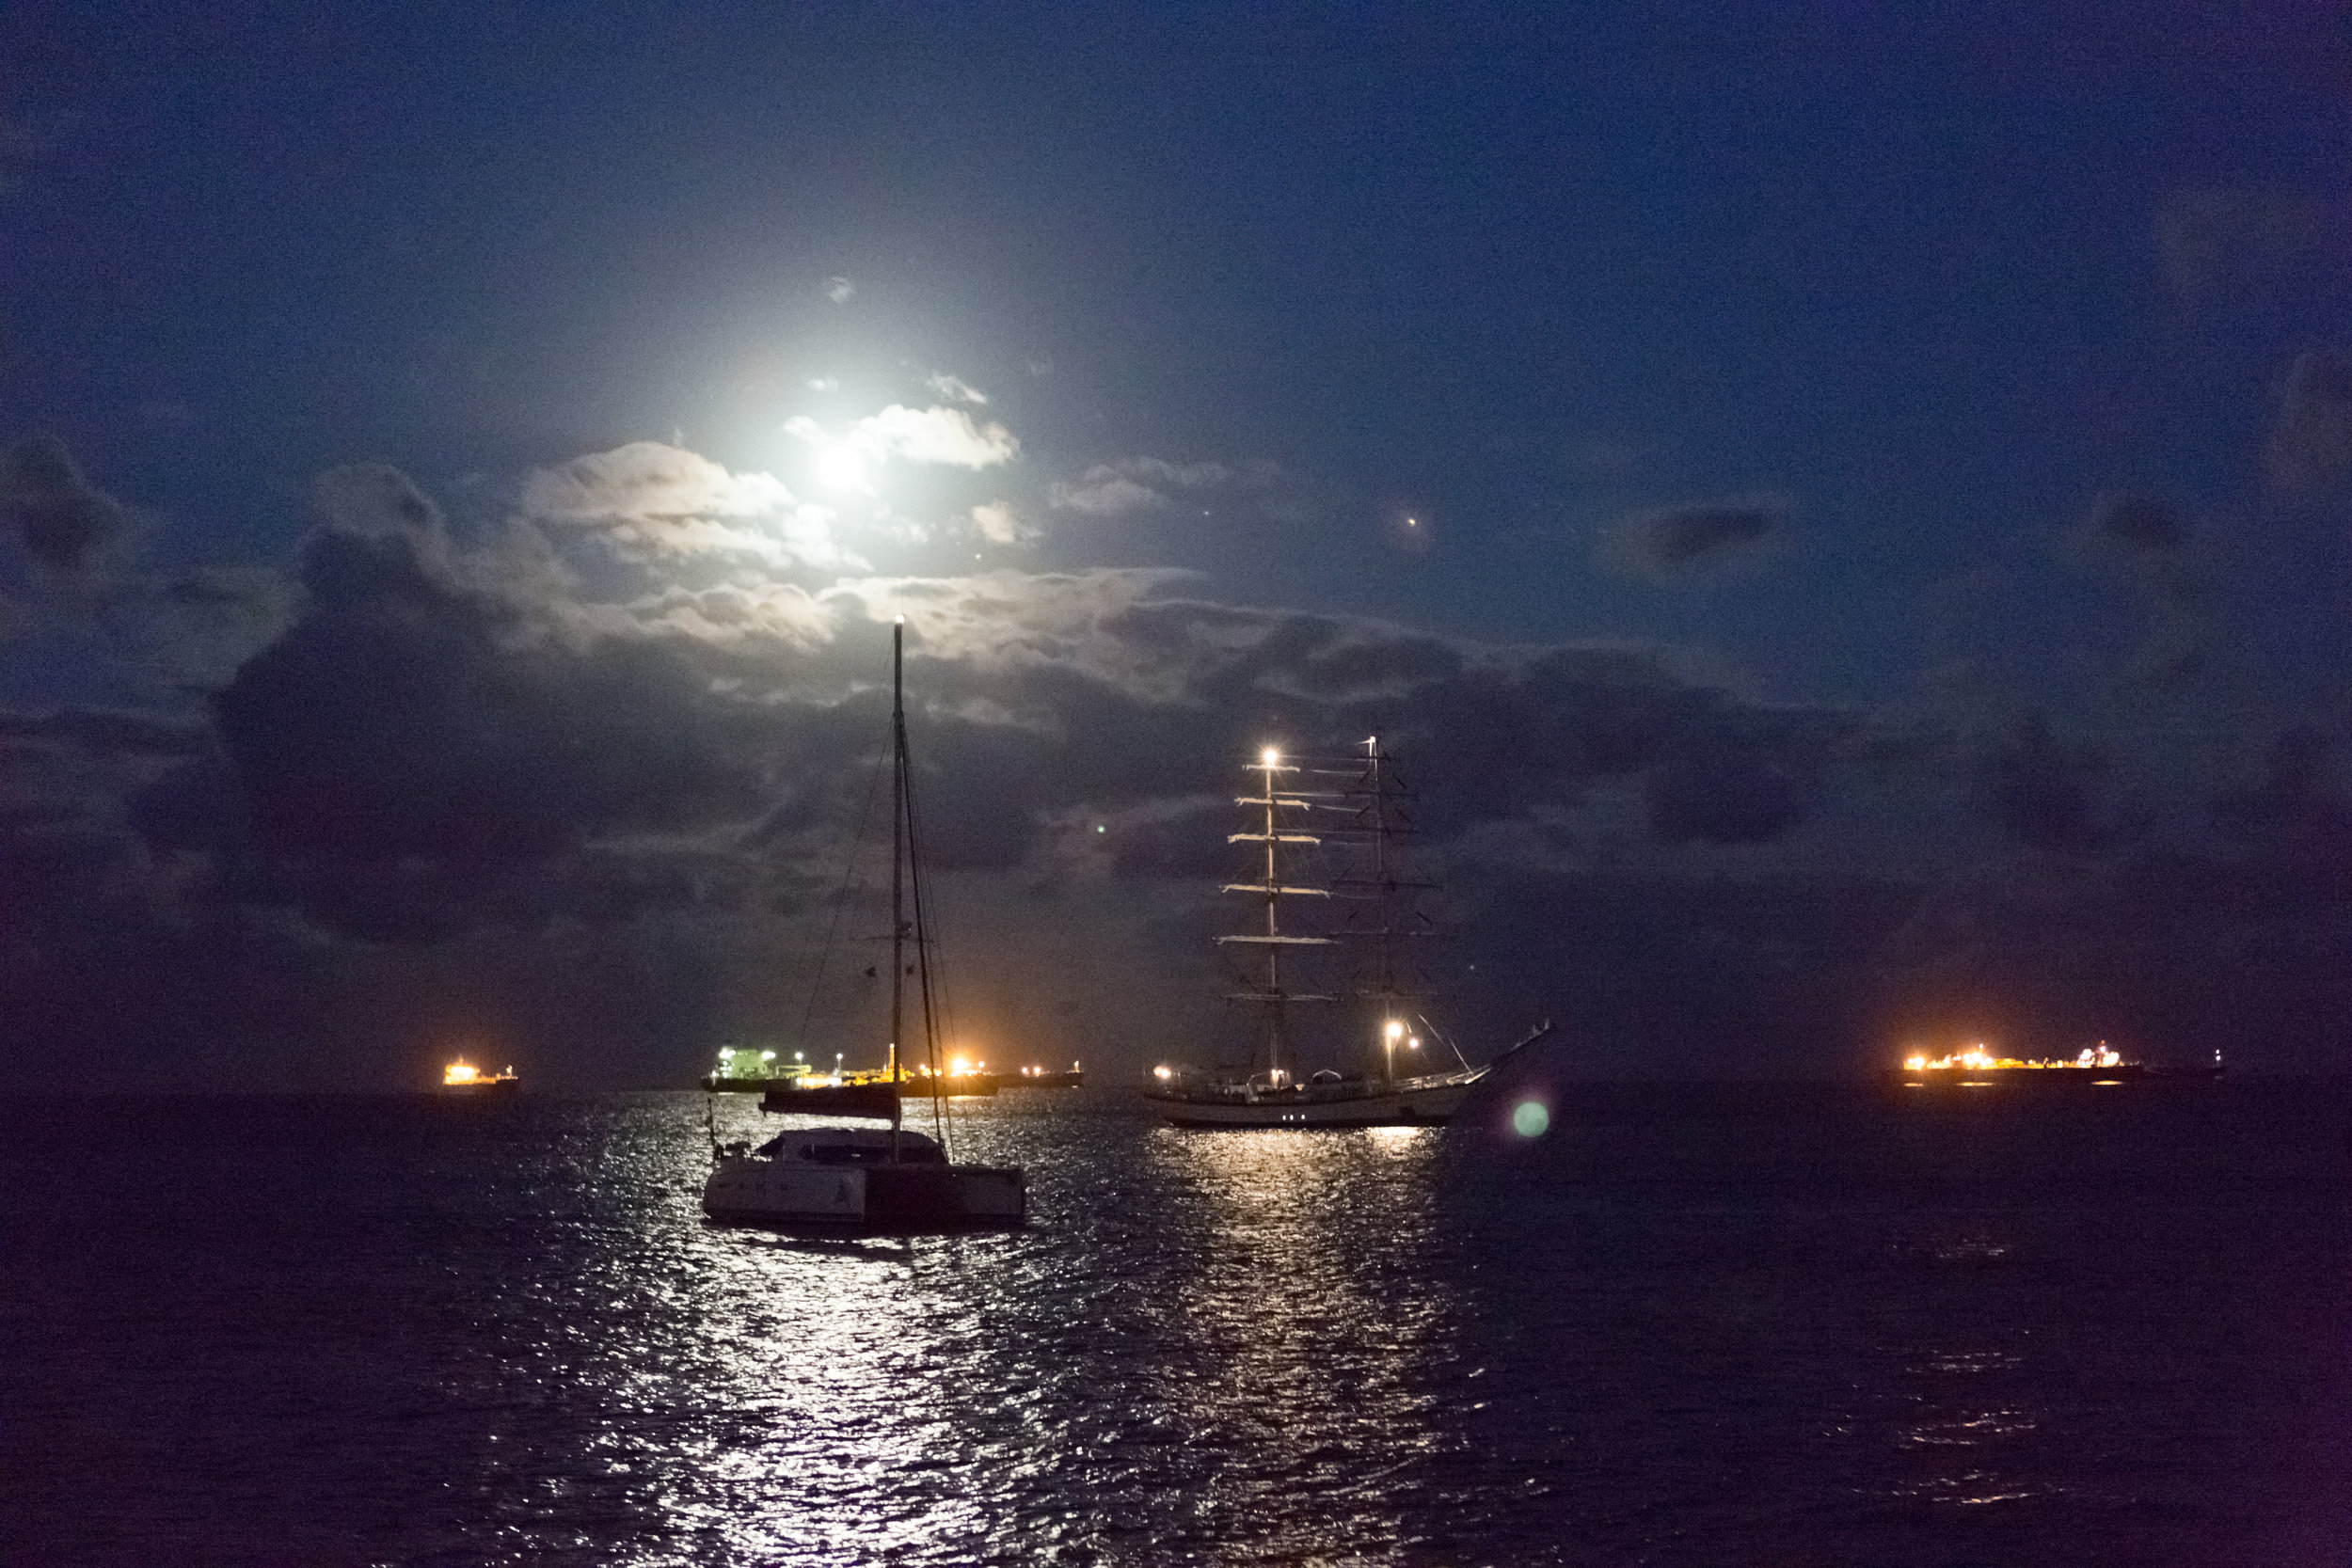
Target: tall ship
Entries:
(1397, 1082)
(872, 1179)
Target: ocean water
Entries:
(1731, 1325)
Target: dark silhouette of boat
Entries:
(861, 1177)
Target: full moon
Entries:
(841, 465)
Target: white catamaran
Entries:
(1394, 1088)
(855, 1177)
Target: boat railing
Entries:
(1200, 1087)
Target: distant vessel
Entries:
(858, 1177)
(1270, 1092)
(743, 1070)
(2098, 1065)
(838, 1093)
(1046, 1078)
(462, 1077)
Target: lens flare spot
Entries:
(1530, 1119)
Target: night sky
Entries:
(1846, 519)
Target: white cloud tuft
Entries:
(955, 388)
(941, 435)
(1135, 483)
(646, 500)
(838, 290)
(999, 524)
(1107, 496)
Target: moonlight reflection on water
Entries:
(1686, 1326)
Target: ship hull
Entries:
(1317, 1107)
(2031, 1080)
(792, 1195)
(874, 1101)
(960, 1086)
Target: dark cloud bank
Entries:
(457, 796)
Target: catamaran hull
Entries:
(794, 1194)
(1425, 1107)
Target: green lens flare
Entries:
(1530, 1119)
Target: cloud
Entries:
(2140, 524)
(2309, 458)
(109, 730)
(1676, 541)
(2154, 544)
(1135, 484)
(756, 617)
(404, 742)
(2042, 791)
(1000, 524)
(955, 388)
(2216, 240)
(839, 290)
(64, 522)
(2299, 809)
(1103, 494)
(946, 437)
(648, 501)
(193, 629)
(473, 764)
(1716, 785)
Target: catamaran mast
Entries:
(906, 888)
(897, 863)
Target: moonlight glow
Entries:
(841, 465)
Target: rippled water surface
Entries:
(1777, 1325)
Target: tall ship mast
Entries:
(1392, 1090)
(1390, 918)
(1271, 995)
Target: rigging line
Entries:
(941, 1123)
(841, 905)
(1441, 1038)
